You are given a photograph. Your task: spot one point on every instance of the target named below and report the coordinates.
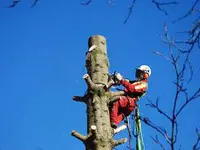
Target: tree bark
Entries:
(100, 133)
(97, 108)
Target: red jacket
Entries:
(127, 103)
(135, 89)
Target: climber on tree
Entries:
(134, 90)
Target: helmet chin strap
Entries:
(145, 76)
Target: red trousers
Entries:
(122, 108)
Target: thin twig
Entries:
(188, 13)
(195, 147)
(151, 104)
(34, 3)
(157, 128)
(130, 11)
(160, 54)
(14, 3)
(157, 141)
(193, 97)
(159, 4)
(85, 3)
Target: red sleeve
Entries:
(138, 87)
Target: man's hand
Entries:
(118, 76)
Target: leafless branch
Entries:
(79, 136)
(159, 129)
(188, 100)
(15, 2)
(176, 131)
(186, 62)
(34, 3)
(189, 12)
(157, 141)
(130, 11)
(160, 4)
(195, 147)
(174, 60)
(78, 98)
(85, 139)
(118, 142)
(180, 69)
(160, 54)
(85, 3)
(156, 106)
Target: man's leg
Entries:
(130, 107)
(115, 115)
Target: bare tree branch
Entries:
(15, 2)
(79, 98)
(34, 3)
(160, 4)
(130, 11)
(157, 128)
(174, 60)
(181, 63)
(118, 142)
(151, 104)
(79, 136)
(195, 147)
(188, 13)
(85, 3)
(160, 54)
(157, 141)
(193, 97)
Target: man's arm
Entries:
(140, 86)
(137, 87)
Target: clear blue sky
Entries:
(42, 60)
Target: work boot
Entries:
(113, 125)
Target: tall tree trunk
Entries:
(98, 97)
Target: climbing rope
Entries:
(139, 137)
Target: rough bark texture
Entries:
(97, 108)
(98, 97)
(97, 60)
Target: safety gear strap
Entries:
(139, 137)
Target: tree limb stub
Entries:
(78, 98)
(90, 83)
(118, 142)
(86, 139)
(119, 93)
(82, 98)
(79, 136)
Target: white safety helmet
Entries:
(145, 69)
